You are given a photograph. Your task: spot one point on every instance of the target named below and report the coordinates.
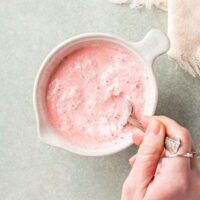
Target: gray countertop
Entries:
(29, 29)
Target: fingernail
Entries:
(153, 128)
(137, 139)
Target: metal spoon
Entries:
(171, 144)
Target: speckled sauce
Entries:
(88, 92)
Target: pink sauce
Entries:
(87, 94)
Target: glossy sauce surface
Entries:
(88, 92)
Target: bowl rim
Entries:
(91, 36)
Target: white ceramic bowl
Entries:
(154, 44)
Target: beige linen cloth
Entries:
(183, 29)
(162, 4)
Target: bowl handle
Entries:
(154, 44)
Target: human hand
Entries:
(153, 178)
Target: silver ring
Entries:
(187, 155)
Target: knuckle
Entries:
(148, 160)
(183, 185)
(153, 120)
(148, 149)
(185, 134)
(163, 117)
(150, 146)
(183, 189)
(127, 189)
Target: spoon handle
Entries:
(171, 144)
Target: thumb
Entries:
(148, 155)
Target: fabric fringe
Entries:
(162, 4)
(188, 58)
(189, 63)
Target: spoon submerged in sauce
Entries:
(170, 144)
